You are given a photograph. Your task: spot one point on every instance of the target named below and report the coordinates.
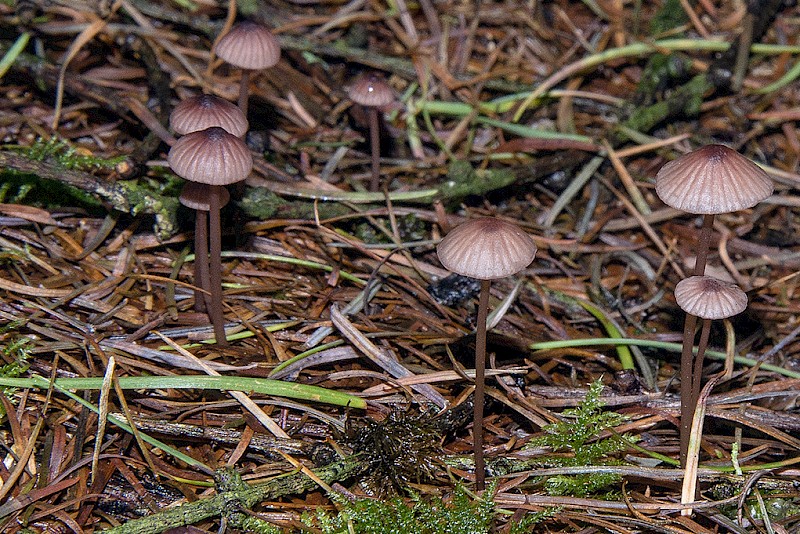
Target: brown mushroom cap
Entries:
(249, 45)
(211, 156)
(371, 90)
(486, 249)
(712, 179)
(710, 298)
(194, 195)
(204, 111)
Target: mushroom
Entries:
(484, 249)
(249, 46)
(372, 92)
(707, 298)
(710, 180)
(196, 196)
(204, 111)
(213, 157)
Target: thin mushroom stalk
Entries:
(215, 266)
(691, 364)
(201, 280)
(480, 386)
(244, 91)
(375, 149)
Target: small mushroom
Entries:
(204, 111)
(707, 298)
(712, 179)
(372, 92)
(484, 249)
(249, 46)
(217, 158)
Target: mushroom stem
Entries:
(201, 281)
(215, 266)
(687, 410)
(704, 242)
(480, 380)
(375, 146)
(690, 376)
(244, 91)
(705, 331)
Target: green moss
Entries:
(433, 516)
(59, 151)
(578, 434)
(23, 188)
(463, 180)
(15, 350)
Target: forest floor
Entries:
(343, 400)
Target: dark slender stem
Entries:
(215, 266)
(705, 331)
(688, 398)
(480, 381)
(244, 91)
(687, 410)
(375, 144)
(201, 280)
(704, 241)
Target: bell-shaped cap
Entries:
(486, 249)
(710, 298)
(712, 179)
(371, 90)
(250, 46)
(211, 156)
(204, 111)
(197, 196)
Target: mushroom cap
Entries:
(712, 179)
(204, 111)
(211, 156)
(486, 249)
(250, 46)
(195, 195)
(710, 298)
(371, 90)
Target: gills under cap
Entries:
(486, 249)
(196, 196)
(710, 298)
(712, 179)
(204, 111)
(211, 156)
(250, 46)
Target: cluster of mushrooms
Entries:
(211, 154)
(711, 180)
